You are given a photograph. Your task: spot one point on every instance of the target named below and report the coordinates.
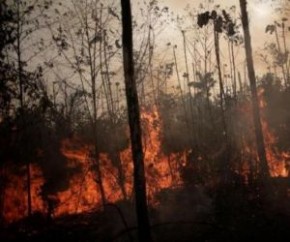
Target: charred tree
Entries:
(96, 154)
(234, 71)
(21, 105)
(134, 123)
(222, 95)
(222, 24)
(93, 79)
(186, 75)
(264, 169)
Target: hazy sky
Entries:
(261, 13)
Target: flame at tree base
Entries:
(278, 162)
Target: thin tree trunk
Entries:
(189, 91)
(205, 51)
(280, 52)
(107, 71)
(231, 64)
(152, 83)
(21, 102)
(285, 51)
(113, 115)
(180, 89)
(115, 157)
(234, 71)
(240, 83)
(144, 232)
(225, 165)
(96, 155)
(264, 170)
(217, 51)
(104, 83)
(117, 97)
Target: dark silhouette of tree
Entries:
(279, 51)
(6, 69)
(6, 93)
(264, 169)
(88, 47)
(19, 89)
(134, 123)
(222, 23)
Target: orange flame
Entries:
(15, 202)
(277, 161)
(83, 193)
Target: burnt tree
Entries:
(134, 123)
(264, 169)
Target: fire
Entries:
(83, 193)
(162, 171)
(159, 171)
(15, 203)
(277, 160)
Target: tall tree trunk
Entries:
(280, 52)
(285, 51)
(144, 233)
(21, 103)
(113, 118)
(117, 162)
(180, 89)
(234, 71)
(264, 170)
(96, 152)
(221, 85)
(225, 165)
(192, 128)
(241, 90)
(231, 64)
(108, 79)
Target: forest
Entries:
(144, 120)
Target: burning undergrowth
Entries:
(64, 178)
(278, 160)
